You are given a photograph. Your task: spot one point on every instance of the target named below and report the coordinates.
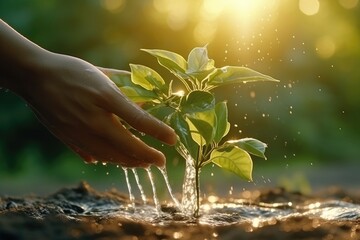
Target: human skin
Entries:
(79, 104)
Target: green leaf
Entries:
(197, 101)
(202, 126)
(170, 60)
(160, 111)
(198, 61)
(134, 92)
(234, 74)
(120, 80)
(147, 78)
(138, 94)
(179, 124)
(222, 124)
(234, 160)
(251, 145)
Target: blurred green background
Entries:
(310, 119)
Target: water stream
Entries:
(142, 193)
(166, 178)
(156, 200)
(131, 195)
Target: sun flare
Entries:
(246, 14)
(211, 15)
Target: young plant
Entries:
(200, 122)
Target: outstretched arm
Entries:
(79, 104)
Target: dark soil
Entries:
(66, 215)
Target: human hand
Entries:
(84, 109)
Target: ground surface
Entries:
(66, 215)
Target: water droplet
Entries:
(177, 235)
(252, 94)
(231, 190)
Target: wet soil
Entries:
(84, 213)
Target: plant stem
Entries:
(184, 82)
(197, 186)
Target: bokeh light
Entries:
(325, 47)
(309, 7)
(113, 5)
(349, 3)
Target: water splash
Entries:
(164, 173)
(235, 211)
(142, 193)
(156, 200)
(131, 195)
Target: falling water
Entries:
(142, 193)
(131, 196)
(156, 200)
(188, 202)
(164, 173)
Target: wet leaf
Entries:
(147, 78)
(235, 160)
(251, 145)
(234, 74)
(198, 101)
(181, 127)
(170, 60)
(222, 124)
(202, 126)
